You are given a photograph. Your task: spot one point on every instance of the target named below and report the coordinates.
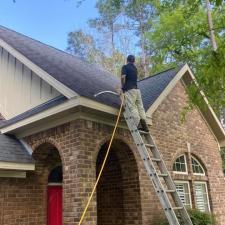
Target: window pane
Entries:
(180, 164)
(183, 191)
(201, 196)
(196, 166)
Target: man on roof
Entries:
(132, 94)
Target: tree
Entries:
(84, 46)
(81, 45)
(105, 23)
(183, 35)
(141, 13)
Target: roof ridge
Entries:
(97, 66)
(48, 45)
(156, 74)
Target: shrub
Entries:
(197, 218)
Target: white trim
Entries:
(177, 172)
(40, 72)
(207, 193)
(189, 189)
(167, 90)
(65, 119)
(99, 106)
(55, 184)
(12, 174)
(26, 146)
(198, 174)
(70, 103)
(207, 102)
(17, 166)
(49, 112)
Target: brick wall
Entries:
(172, 137)
(24, 201)
(79, 143)
(124, 179)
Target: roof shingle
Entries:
(83, 78)
(12, 150)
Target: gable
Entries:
(194, 129)
(186, 77)
(20, 88)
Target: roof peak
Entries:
(156, 74)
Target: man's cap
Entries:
(131, 58)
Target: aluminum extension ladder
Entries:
(157, 171)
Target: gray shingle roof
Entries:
(84, 78)
(151, 87)
(11, 150)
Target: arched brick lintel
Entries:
(51, 141)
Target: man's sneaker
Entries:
(144, 125)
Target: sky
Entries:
(48, 21)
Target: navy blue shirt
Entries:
(131, 73)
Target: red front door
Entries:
(54, 205)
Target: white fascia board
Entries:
(167, 90)
(40, 72)
(12, 174)
(98, 106)
(70, 103)
(207, 103)
(17, 166)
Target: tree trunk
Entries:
(143, 52)
(210, 24)
(112, 38)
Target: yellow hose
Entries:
(103, 164)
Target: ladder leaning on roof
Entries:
(157, 171)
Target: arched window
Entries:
(183, 183)
(55, 175)
(180, 165)
(197, 167)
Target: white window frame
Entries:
(198, 174)
(185, 160)
(207, 193)
(189, 190)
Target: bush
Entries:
(197, 218)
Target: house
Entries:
(54, 134)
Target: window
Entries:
(201, 196)
(180, 165)
(196, 167)
(184, 192)
(187, 175)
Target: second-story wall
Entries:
(20, 88)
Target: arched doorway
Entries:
(55, 196)
(49, 174)
(118, 192)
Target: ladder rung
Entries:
(143, 132)
(178, 208)
(149, 145)
(162, 175)
(156, 159)
(170, 191)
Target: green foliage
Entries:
(166, 33)
(197, 218)
(222, 153)
(182, 35)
